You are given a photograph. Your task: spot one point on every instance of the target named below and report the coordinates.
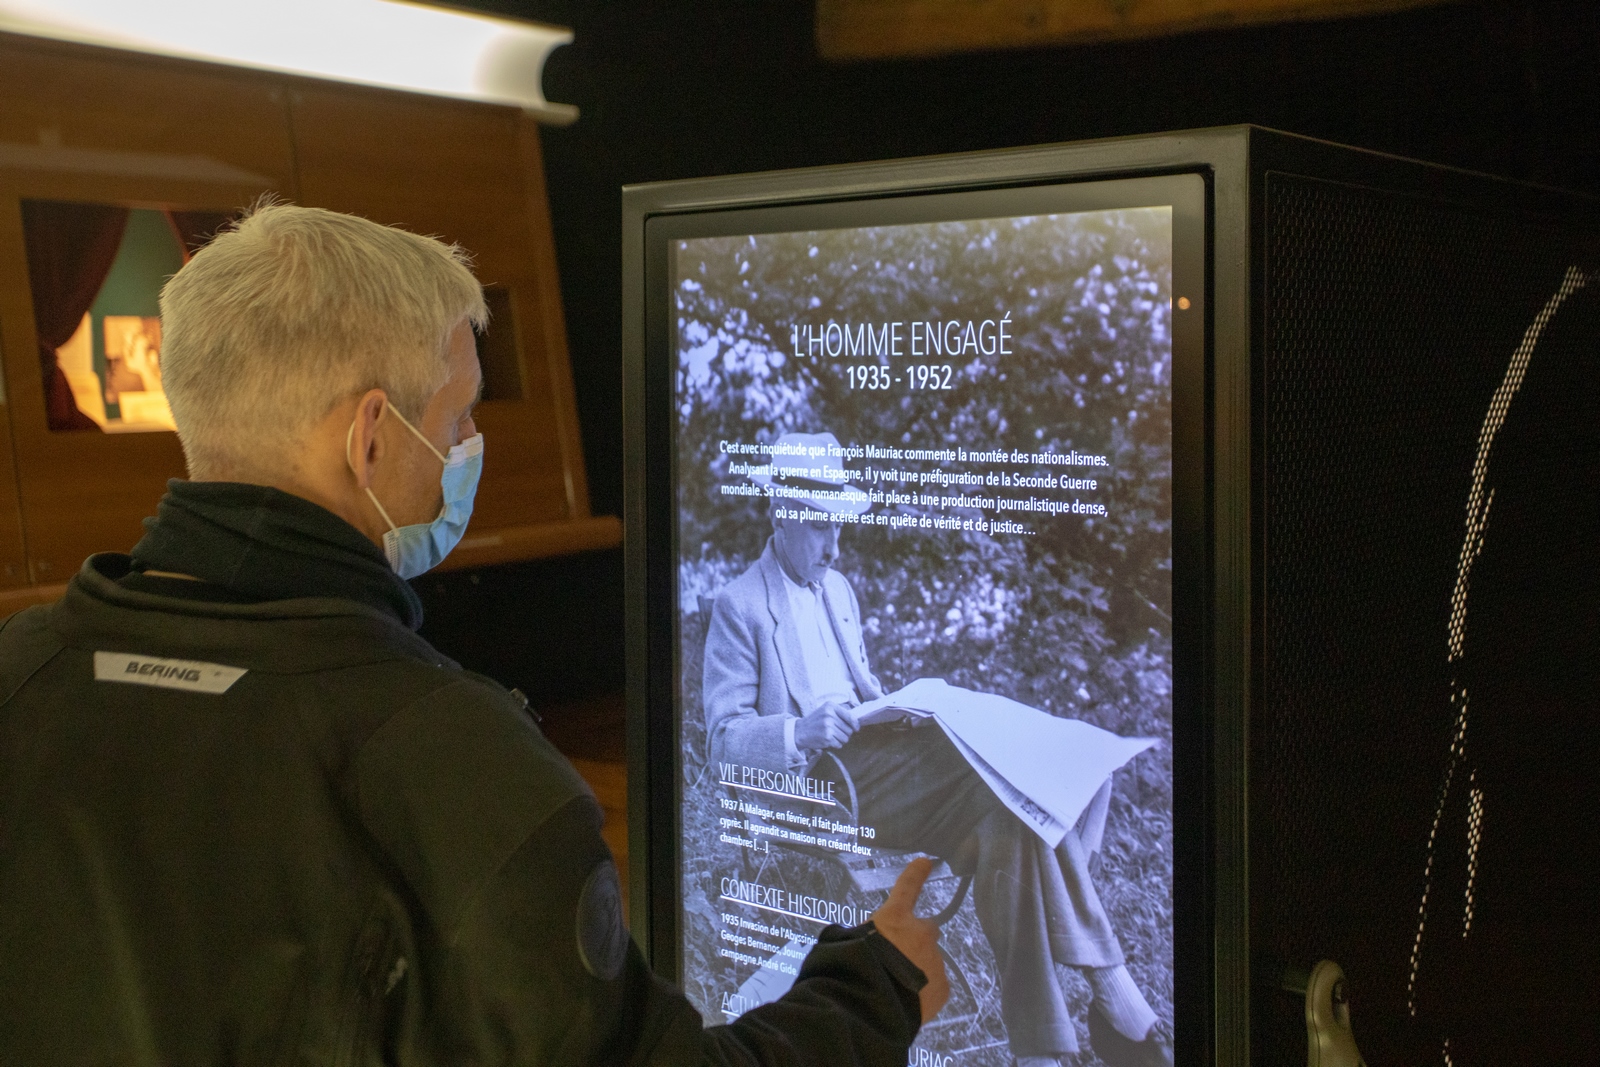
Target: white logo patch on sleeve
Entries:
(193, 675)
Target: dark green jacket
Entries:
(357, 853)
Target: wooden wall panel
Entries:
(90, 124)
(460, 171)
(77, 97)
(552, 339)
(14, 571)
(80, 123)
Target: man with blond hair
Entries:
(248, 816)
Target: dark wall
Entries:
(691, 89)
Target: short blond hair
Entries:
(292, 310)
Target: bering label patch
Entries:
(193, 675)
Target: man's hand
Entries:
(829, 726)
(917, 939)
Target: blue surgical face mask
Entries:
(417, 549)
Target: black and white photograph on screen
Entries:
(924, 584)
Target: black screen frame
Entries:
(655, 734)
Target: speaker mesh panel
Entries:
(1389, 322)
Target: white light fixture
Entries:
(391, 44)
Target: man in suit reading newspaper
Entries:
(785, 663)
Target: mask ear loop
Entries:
(349, 439)
(407, 424)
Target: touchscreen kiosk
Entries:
(919, 473)
(1131, 526)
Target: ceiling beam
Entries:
(849, 30)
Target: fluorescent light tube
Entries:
(369, 42)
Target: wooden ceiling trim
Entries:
(853, 30)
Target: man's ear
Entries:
(364, 447)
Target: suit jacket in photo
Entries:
(755, 675)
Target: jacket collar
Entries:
(256, 543)
(291, 636)
(788, 636)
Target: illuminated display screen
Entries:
(924, 570)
